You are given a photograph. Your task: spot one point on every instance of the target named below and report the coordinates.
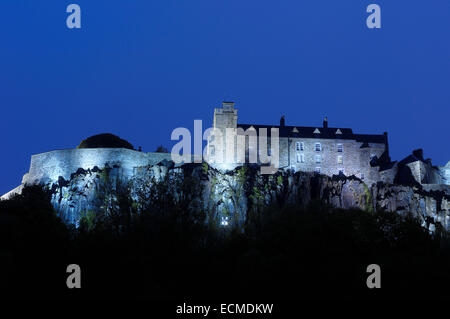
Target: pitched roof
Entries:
(325, 133)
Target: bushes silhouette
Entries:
(289, 253)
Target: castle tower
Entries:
(224, 118)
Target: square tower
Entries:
(225, 117)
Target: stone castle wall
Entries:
(425, 173)
(48, 167)
(444, 172)
(329, 160)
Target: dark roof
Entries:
(325, 133)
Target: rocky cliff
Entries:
(232, 198)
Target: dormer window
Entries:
(318, 147)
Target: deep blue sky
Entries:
(139, 69)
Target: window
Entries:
(317, 170)
(340, 148)
(340, 160)
(300, 158)
(318, 159)
(299, 146)
(302, 146)
(318, 147)
(362, 176)
(212, 150)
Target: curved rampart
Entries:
(47, 167)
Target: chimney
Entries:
(418, 153)
(325, 122)
(282, 121)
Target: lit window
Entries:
(318, 147)
(317, 170)
(318, 159)
(340, 160)
(300, 158)
(340, 148)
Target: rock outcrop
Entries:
(235, 197)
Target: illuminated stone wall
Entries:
(425, 173)
(445, 173)
(355, 160)
(48, 167)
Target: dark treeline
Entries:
(287, 253)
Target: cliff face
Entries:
(233, 198)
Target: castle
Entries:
(325, 150)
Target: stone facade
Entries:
(326, 150)
(49, 166)
(444, 172)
